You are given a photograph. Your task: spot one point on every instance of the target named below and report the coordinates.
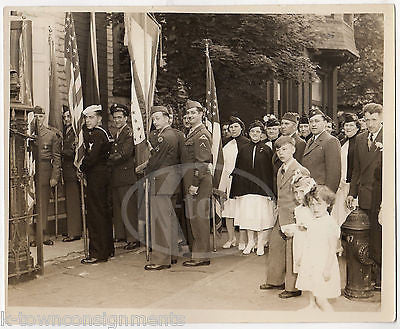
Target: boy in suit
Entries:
(280, 259)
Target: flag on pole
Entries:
(92, 91)
(74, 83)
(55, 111)
(212, 120)
(24, 64)
(30, 164)
(142, 37)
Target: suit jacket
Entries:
(365, 162)
(276, 163)
(122, 159)
(286, 200)
(322, 158)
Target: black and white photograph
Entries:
(173, 165)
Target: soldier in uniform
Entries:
(164, 175)
(97, 149)
(197, 158)
(49, 156)
(72, 200)
(122, 160)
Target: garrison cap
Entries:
(316, 112)
(38, 110)
(159, 108)
(290, 116)
(303, 120)
(65, 108)
(272, 123)
(283, 140)
(92, 109)
(193, 104)
(119, 108)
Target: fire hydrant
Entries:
(358, 263)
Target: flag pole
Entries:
(83, 209)
(146, 102)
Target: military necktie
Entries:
(283, 171)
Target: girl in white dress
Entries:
(319, 268)
(301, 185)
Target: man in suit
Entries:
(164, 176)
(198, 184)
(72, 189)
(304, 128)
(280, 257)
(367, 157)
(122, 161)
(322, 153)
(289, 124)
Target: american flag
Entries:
(213, 125)
(74, 82)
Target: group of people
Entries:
(288, 179)
(302, 164)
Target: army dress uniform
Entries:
(197, 159)
(123, 177)
(72, 190)
(97, 148)
(164, 176)
(50, 168)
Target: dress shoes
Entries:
(196, 263)
(290, 294)
(92, 260)
(132, 245)
(48, 242)
(267, 286)
(156, 267)
(71, 238)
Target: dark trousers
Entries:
(99, 221)
(164, 229)
(125, 222)
(73, 204)
(375, 244)
(198, 213)
(280, 260)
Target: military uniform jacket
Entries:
(164, 153)
(50, 142)
(322, 158)
(365, 162)
(197, 156)
(97, 149)
(122, 158)
(68, 154)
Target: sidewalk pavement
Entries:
(230, 283)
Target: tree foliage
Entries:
(361, 81)
(246, 51)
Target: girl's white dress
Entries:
(320, 245)
(303, 216)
